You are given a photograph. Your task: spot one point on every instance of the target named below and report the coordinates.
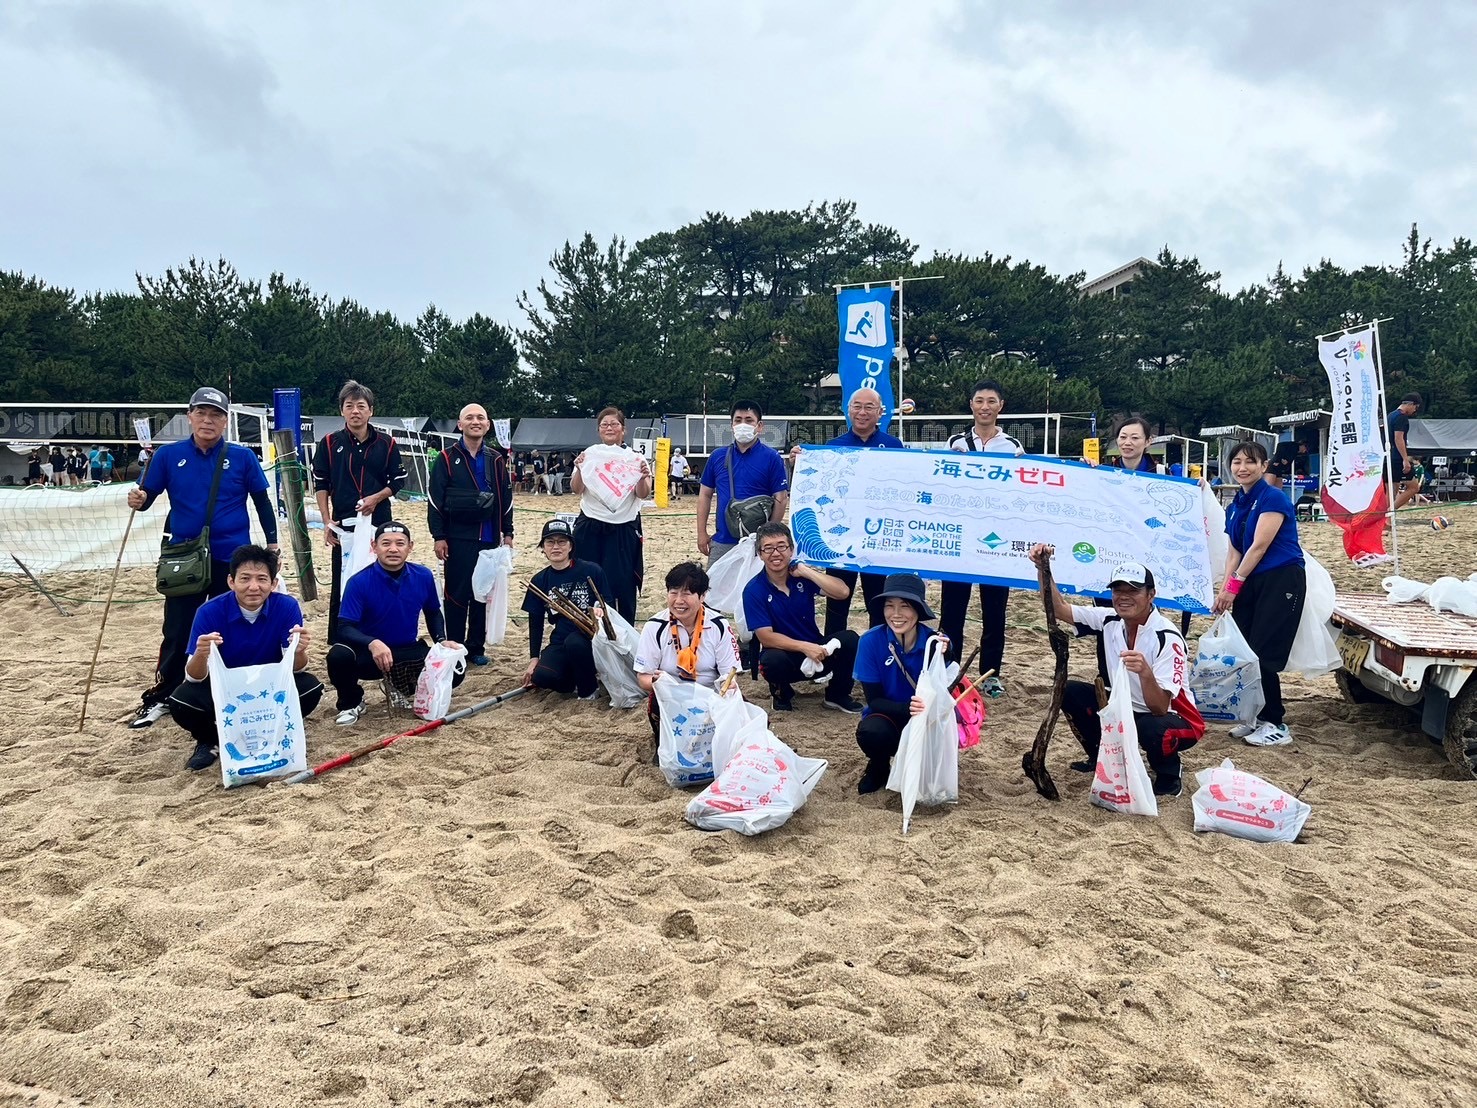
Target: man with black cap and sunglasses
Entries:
(208, 481)
(1154, 654)
(379, 623)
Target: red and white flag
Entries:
(1354, 494)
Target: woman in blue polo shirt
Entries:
(1265, 582)
(889, 659)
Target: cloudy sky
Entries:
(407, 153)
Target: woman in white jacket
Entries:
(608, 530)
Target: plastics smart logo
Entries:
(1085, 552)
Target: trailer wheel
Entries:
(1354, 690)
(1461, 730)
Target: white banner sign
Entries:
(142, 433)
(1356, 448)
(974, 517)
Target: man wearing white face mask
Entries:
(747, 475)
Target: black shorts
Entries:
(1395, 470)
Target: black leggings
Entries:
(838, 612)
(1160, 737)
(954, 606)
(615, 548)
(567, 666)
(1268, 609)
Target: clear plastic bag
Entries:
(1238, 803)
(1226, 679)
(926, 769)
(437, 679)
(1120, 780)
(1315, 650)
(258, 719)
(490, 585)
(615, 662)
(685, 742)
(726, 581)
(356, 546)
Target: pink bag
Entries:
(970, 714)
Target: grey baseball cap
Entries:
(208, 397)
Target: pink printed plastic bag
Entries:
(1238, 803)
(1120, 782)
(611, 473)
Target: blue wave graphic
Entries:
(809, 541)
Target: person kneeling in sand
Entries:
(779, 607)
(250, 625)
(567, 664)
(1153, 653)
(379, 623)
(889, 659)
(685, 641)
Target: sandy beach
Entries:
(511, 910)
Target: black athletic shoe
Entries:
(1084, 766)
(1169, 787)
(874, 779)
(851, 706)
(784, 704)
(203, 758)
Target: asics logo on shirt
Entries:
(180, 464)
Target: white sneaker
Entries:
(1270, 734)
(149, 715)
(1241, 730)
(350, 716)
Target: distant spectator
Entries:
(58, 466)
(34, 475)
(77, 465)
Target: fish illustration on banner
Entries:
(864, 360)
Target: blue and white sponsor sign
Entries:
(866, 342)
(975, 517)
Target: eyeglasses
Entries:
(766, 551)
(611, 423)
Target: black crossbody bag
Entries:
(744, 517)
(184, 567)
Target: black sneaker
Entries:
(203, 758)
(851, 706)
(784, 703)
(149, 715)
(872, 780)
(1168, 787)
(1084, 766)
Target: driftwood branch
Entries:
(1033, 762)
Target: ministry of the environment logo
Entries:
(993, 540)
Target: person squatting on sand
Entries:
(611, 537)
(249, 626)
(356, 472)
(470, 510)
(379, 623)
(779, 608)
(685, 641)
(1154, 654)
(986, 401)
(566, 664)
(187, 471)
(1265, 583)
(889, 659)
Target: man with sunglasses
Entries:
(779, 607)
(185, 470)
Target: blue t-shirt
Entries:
(184, 471)
(388, 607)
(758, 471)
(880, 440)
(244, 643)
(791, 613)
(1398, 421)
(1241, 520)
(875, 664)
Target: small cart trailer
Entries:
(1415, 656)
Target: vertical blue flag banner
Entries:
(865, 357)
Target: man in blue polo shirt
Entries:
(249, 626)
(779, 607)
(864, 414)
(748, 468)
(184, 470)
(379, 623)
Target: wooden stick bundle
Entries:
(609, 627)
(566, 608)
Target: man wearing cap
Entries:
(470, 510)
(1154, 654)
(356, 471)
(379, 623)
(567, 663)
(779, 607)
(185, 470)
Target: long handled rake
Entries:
(380, 744)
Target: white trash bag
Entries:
(258, 718)
(726, 581)
(490, 586)
(1452, 594)
(685, 745)
(356, 547)
(1120, 780)
(433, 688)
(1238, 803)
(731, 715)
(1315, 650)
(1215, 531)
(760, 784)
(1226, 678)
(926, 769)
(610, 474)
(1403, 590)
(615, 662)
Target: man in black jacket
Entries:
(471, 510)
(356, 472)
